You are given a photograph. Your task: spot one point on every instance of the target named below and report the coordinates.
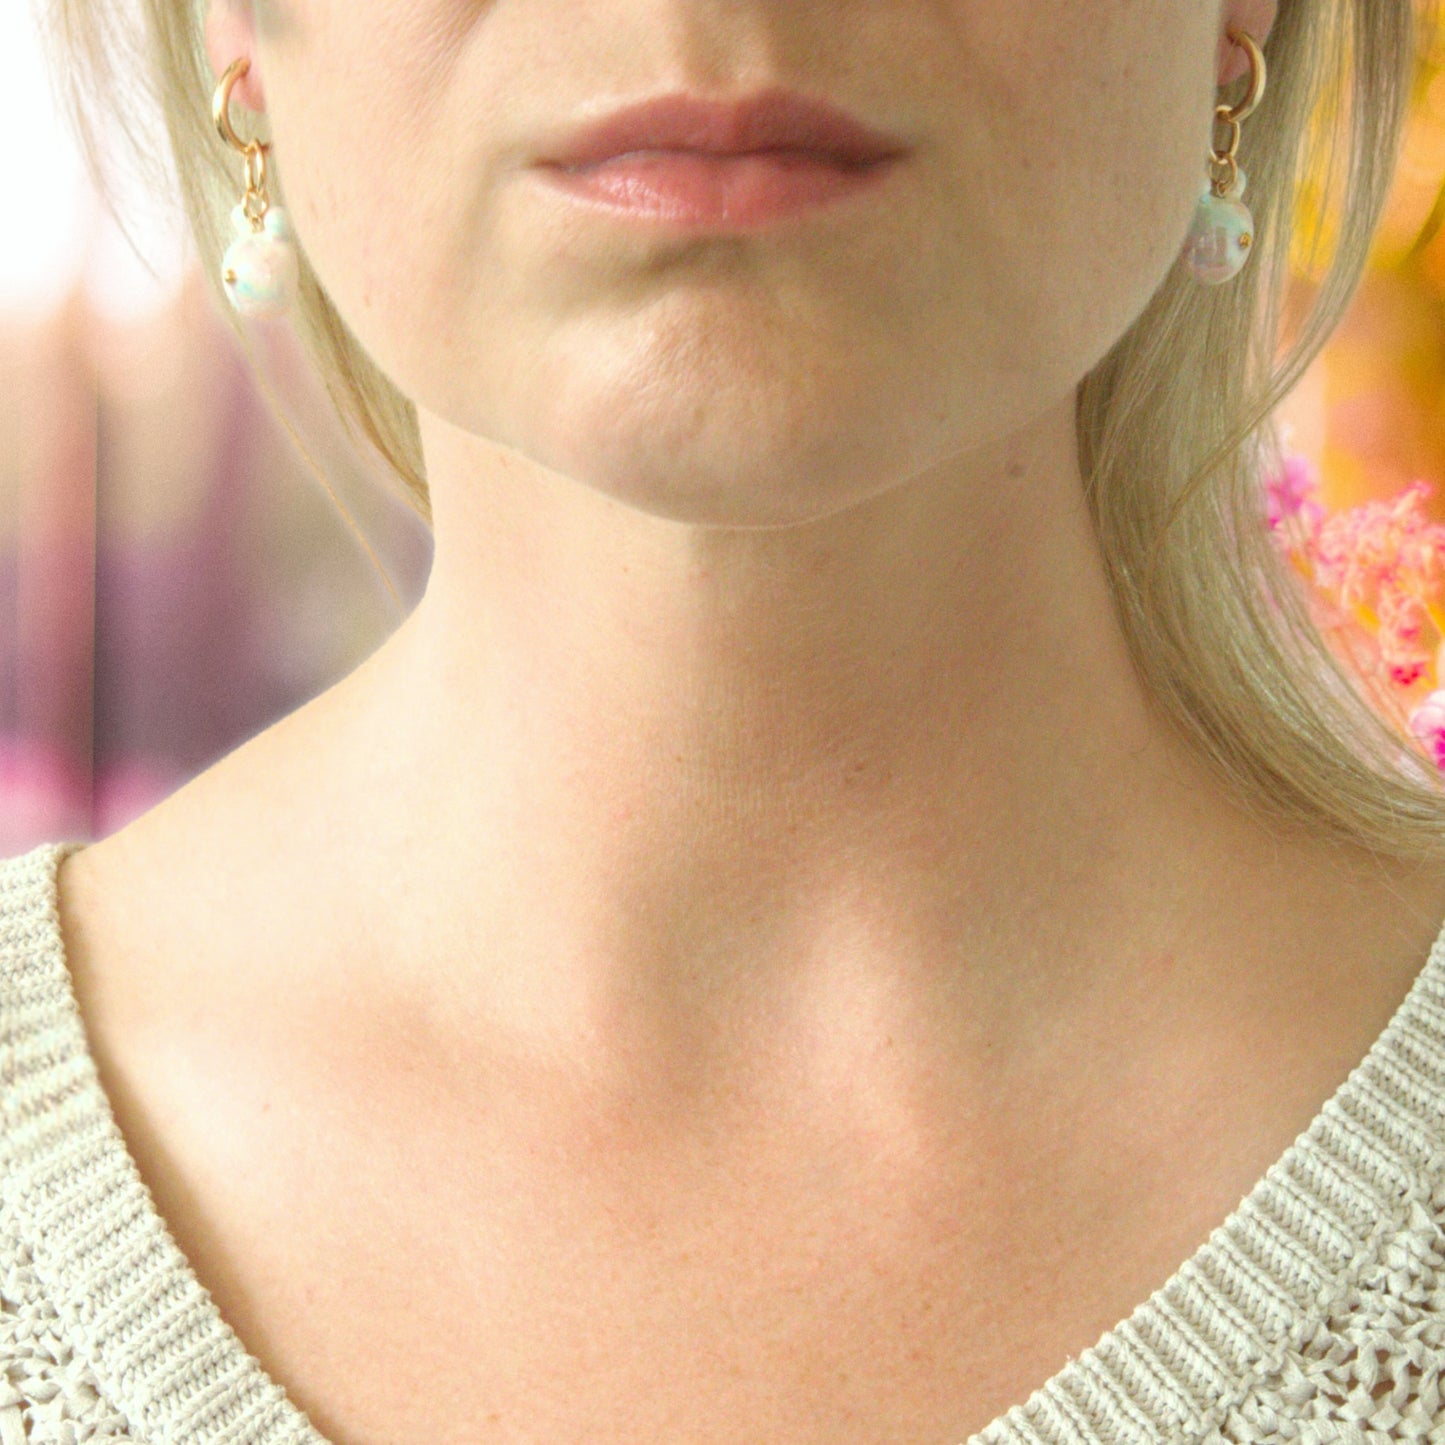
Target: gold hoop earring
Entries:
(1222, 233)
(261, 267)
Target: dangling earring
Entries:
(261, 266)
(1223, 230)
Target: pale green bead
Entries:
(259, 272)
(1241, 183)
(1219, 238)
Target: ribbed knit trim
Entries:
(1256, 1290)
(131, 1304)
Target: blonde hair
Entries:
(1174, 424)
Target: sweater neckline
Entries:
(135, 1312)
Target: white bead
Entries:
(1219, 238)
(278, 223)
(260, 272)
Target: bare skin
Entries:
(870, 1220)
(746, 956)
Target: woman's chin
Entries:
(750, 487)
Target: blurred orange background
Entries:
(1370, 410)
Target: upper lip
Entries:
(773, 119)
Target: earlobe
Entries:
(1256, 18)
(230, 34)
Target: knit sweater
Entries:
(1315, 1313)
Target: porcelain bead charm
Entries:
(261, 266)
(1221, 235)
(1222, 232)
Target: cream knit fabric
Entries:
(1315, 1313)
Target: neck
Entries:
(729, 682)
(875, 798)
(678, 757)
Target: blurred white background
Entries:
(56, 233)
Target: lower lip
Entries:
(718, 192)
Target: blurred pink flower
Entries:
(1377, 572)
(1427, 722)
(1292, 499)
(1402, 620)
(1380, 547)
(1385, 561)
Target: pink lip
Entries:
(773, 119)
(696, 192)
(733, 166)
